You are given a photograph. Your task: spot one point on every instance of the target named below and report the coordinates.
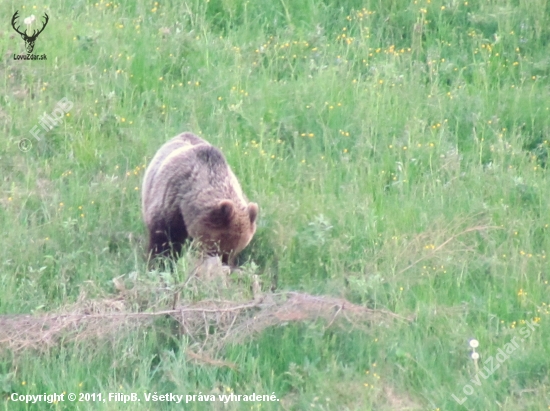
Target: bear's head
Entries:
(229, 229)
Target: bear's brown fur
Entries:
(189, 191)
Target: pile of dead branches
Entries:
(210, 308)
(209, 324)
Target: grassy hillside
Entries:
(398, 151)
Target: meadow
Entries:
(398, 152)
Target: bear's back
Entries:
(184, 140)
(189, 171)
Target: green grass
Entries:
(397, 149)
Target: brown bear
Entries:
(189, 191)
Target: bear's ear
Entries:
(222, 214)
(252, 212)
